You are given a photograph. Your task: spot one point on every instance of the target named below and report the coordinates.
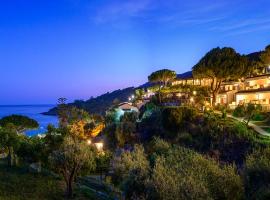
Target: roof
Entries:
(127, 106)
(230, 82)
(186, 75)
(254, 91)
(258, 77)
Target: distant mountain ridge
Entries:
(100, 104)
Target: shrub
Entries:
(258, 117)
(174, 118)
(239, 111)
(130, 161)
(184, 174)
(176, 173)
(257, 175)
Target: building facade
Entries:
(254, 89)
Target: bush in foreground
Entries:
(176, 173)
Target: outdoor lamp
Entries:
(99, 146)
(89, 142)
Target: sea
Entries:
(34, 112)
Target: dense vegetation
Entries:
(101, 103)
(165, 152)
(180, 153)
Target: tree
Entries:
(257, 174)
(62, 111)
(20, 123)
(9, 139)
(103, 162)
(12, 126)
(121, 132)
(79, 122)
(130, 161)
(184, 174)
(251, 110)
(70, 158)
(175, 173)
(220, 65)
(265, 56)
(139, 93)
(174, 119)
(162, 77)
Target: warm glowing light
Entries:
(89, 142)
(191, 99)
(194, 92)
(240, 97)
(259, 96)
(99, 146)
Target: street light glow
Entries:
(89, 142)
(99, 146)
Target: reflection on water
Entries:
(32, 111)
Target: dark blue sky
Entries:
(82, 48)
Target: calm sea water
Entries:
(32, 111)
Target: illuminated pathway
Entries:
(257, 128)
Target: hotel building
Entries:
(254, 89)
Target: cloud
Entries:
(157, 10)
(227, 17)
(249, 30)
(242, 26)
(122, 9)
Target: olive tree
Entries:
(70, 158)
(172, 172)
(9, 139)
(184, 174)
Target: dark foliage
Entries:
(100, 104)
(257, 175)
(19, 122)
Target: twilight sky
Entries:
(82, 48)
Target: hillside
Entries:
(99, 104)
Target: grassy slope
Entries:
(19, 184)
